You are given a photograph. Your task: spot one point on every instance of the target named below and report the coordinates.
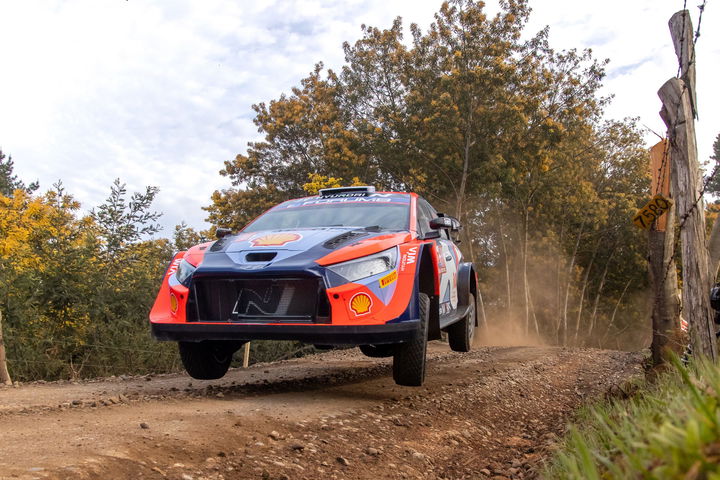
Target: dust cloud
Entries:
(507, 335)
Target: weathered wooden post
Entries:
(4, 374)
(678, 113)
(246, 355)
(661, 248)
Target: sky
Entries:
(160, 92)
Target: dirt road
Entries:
(491, 413)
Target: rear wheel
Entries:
(460, 334)
(207, 360)
(378, 351)
(409, 361)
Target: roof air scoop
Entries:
(339, 192)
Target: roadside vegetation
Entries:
(670, 429)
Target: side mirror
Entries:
(222, 232)
(449, 223)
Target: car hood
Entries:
(294, 250)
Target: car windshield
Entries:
(386, 217)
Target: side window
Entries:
(427, 212)
(423, 221)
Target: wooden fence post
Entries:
(246, 355)
(678, 114)
(663, 275)
(4, 374)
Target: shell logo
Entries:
(173, 303)
(361, 303)
(275, 239)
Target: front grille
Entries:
(258, 301)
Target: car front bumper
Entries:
(316, 334)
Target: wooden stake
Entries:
(4, 374)
(246, 355)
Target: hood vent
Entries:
(343, 238)
(260, 256)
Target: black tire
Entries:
(409, 361)
(378, 351)
(460, 334)
(207, 360)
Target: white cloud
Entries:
(160, 94)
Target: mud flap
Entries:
(466, 278)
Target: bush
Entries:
(670, 430)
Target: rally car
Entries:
(350, 266)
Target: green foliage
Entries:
(671, 430)
(185, 237)
(75, 291)
(120, 222)
(9, 182)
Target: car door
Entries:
(448, 259)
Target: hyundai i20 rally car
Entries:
(350, 266)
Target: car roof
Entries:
(369, 198)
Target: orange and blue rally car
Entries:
(350, 266)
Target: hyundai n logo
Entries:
(271, 300)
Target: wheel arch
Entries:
(467, 284)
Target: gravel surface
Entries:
(495, 413)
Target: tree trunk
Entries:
(586, 278)
(612, 318)
(599, 293)
(524, 271)
(558, 282)
(507, 266)
(4, 374)
(482, 308)
(568, 284)
(469, 142)
(532, 310)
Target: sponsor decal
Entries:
(173, 303)
(441, 261)
(173, 267)
(275, 239)
(388, 279)
(324, 201)
(445, 308)
(412, 255)
(408, 258)
(361, 303)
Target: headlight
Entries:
(184, 272)
(354, 270)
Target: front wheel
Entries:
(207, 360)
(460, 334)
(409, 361)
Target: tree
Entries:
(185, 237)
(9, 182)
(121, 222)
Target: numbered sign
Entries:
(654, 209)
